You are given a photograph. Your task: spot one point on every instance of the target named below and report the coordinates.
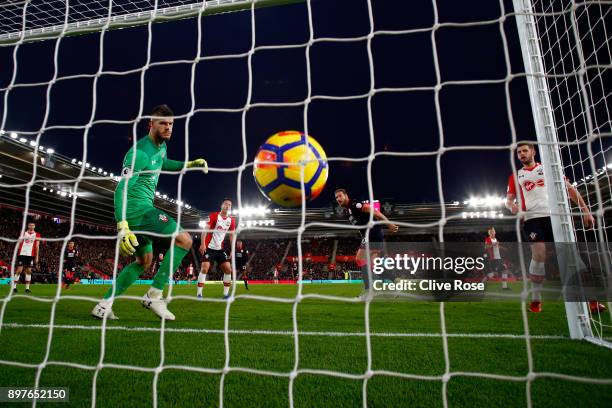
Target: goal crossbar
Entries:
(14, 33)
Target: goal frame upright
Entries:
(577, 313)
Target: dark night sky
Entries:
(402, 121)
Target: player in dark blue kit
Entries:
(70, 258)
(358, 213)
(242, 257)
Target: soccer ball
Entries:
(281, 182)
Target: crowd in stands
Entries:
(97, 254)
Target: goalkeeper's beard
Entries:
(160, 138)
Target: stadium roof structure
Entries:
(53, 189)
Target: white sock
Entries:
(537, 272)
(227, 281)
(154, 293)
(201, 280)
(504, 280)
(106, 303)
(536, 294)
(15, 280)
(28, 279)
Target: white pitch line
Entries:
(285, 333)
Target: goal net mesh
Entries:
(576, 51)
(575, 44)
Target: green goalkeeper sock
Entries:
(128, 275)
(161, 277)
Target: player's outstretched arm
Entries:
(381, 217)
(574, 195)
(176, 165)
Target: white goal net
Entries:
(575, 55)
(575, 52)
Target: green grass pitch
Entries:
(260, 338)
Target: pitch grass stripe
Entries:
(285, 333)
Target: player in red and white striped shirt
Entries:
(496, 263)
(27, 255)
(211, 249)
(537, 227)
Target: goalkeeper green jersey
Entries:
(150, 160)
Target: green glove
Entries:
(198, 163)
(129, 242)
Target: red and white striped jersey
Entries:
(534, 197)
(220, 226)
(492, 248)
(26, 246)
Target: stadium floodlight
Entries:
(157, 194)
(485, 201)
(202, 223)
(32, 143)
(609, 166)
(73, 161)
(13, 135)
(80, 163)
(23, 140)
(164, 196)
(2, 132)
(100, 170)
(571, 27)
(93, 168)
(112, 175)
(87, 165)
(105, 173)
(50, 150)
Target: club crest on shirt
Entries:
(533, 236)
(163, 218)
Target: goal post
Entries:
(549, 149)
(99, 16)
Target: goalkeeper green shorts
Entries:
(154, 220)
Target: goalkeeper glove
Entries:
(198, 163)
(128, 239)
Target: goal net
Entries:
(342, 75)
(572, 56)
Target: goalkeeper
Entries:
(136, 192)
